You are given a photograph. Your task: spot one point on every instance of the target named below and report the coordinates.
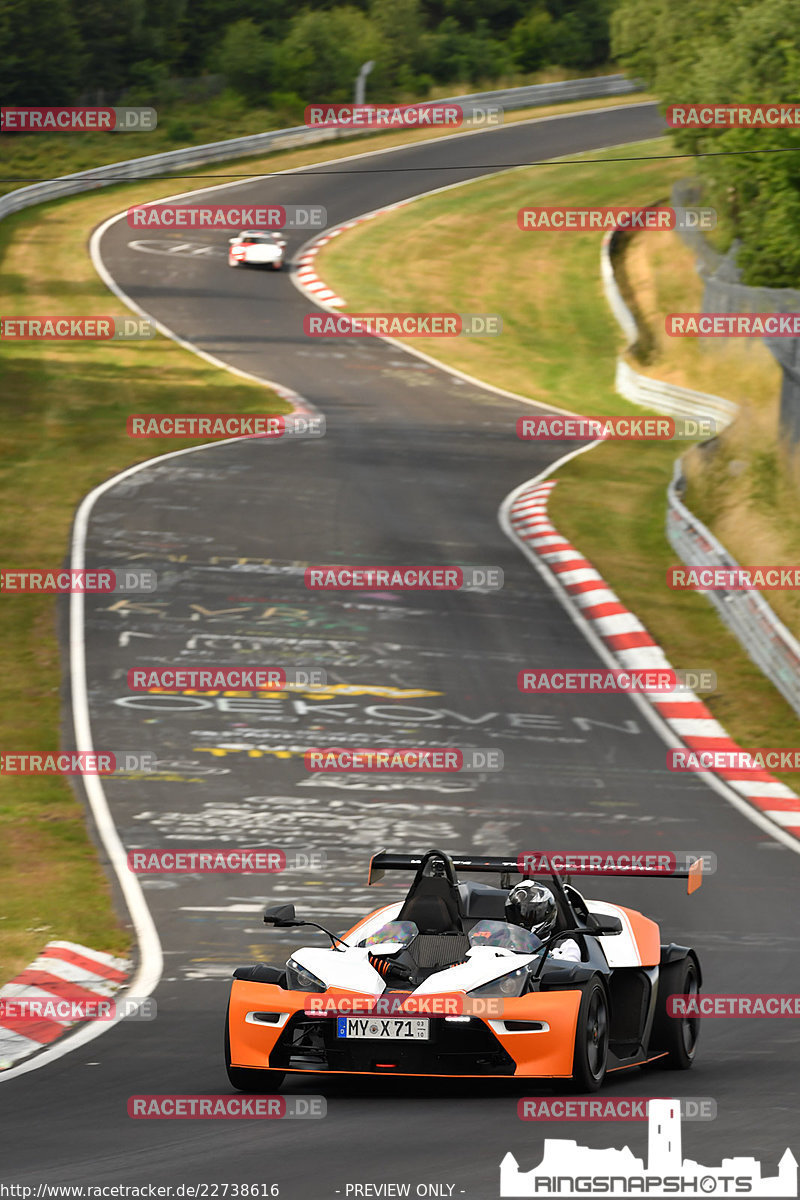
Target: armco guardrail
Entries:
(746, 613)
(300, 135)
(669, 398)
(641, 389)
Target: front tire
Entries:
(590, 1058)
(676, 1035)
(245, 1080)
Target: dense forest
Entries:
(272, 53)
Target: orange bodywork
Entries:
(542, 1054)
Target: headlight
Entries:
(512, 984)
(301, 980)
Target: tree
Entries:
(707, 52)
(41, 53)
(322, 54)
(531, 39)
(247, 60)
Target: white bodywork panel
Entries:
(620, 949)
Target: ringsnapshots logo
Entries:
(428, 324)
(227, 216)
(66, 1011)
(411, 759)
(80, 582)
(259, 860)
(226, 1108)
(617, 679)
(733, 116)
(403, 579)
(556, 428)
(225, 425)
(617, 1108)
(76, 329)
(77, 762)
(224, 679)
(733, 325)
(402, 116)
(568, 1169)
(33, 119)
(698, 578)
(606, 217)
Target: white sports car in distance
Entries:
(261, 247)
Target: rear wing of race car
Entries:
(655, 865)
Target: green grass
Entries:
(463, 252)
(63, 409)
(559, 345)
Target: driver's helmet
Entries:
(533, 906)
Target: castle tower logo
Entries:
(568, 1169)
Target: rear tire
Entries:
(244, 1079)
(590, 1058)
(676, 1035)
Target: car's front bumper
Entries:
(540, 1046)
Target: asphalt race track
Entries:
(413, 469)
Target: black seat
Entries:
(430, 914)
(433, 904)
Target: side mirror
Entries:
(281, 915)
(231, 241)
(607, 925)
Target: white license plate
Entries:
(394, 1029)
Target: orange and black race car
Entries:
(443, 984)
